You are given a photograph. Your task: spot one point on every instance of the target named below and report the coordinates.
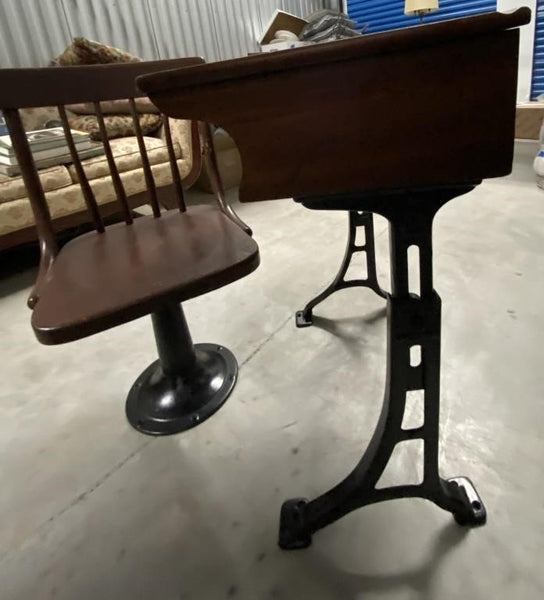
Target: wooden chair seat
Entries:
(99, 281)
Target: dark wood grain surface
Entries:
(89, 83)
(429, 105)
(130, 271)
(390, 42)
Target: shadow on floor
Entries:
(349, 329)
(419, 580)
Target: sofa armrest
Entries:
(183, 133)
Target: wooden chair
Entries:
(147, 265)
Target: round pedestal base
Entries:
(159, 404)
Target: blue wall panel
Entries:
(537, 87)
(382, 15)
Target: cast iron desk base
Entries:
(412, 320)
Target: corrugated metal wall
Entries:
(117, 22)
(184, 28)
(32, 32)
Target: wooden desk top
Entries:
(423, 106)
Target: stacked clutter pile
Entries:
(328, 26)
(49, 147)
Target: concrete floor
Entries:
(90, 509)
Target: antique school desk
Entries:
(398, 124)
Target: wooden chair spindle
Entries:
(176, 178)
(148, 174)
(116, 179)
(90, 200)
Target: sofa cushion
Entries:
(17, 214)
(54, 178)
(134, 181)
(127, 157)
(110, 107)
(116, 125)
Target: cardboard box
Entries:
(282, 20)
(529, 117)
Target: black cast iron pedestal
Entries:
(413, 320)
(186, 385)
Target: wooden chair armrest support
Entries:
(210, 160)
(46, 260)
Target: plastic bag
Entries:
(334, 32)
(314, 31)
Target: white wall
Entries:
(527, 41)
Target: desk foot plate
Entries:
(294, 534)
(473, 513)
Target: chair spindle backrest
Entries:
(62, 86)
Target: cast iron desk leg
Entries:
(364, 220)
(413, 320)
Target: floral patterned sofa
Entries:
(64, 194)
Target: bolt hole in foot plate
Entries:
(474, 514)
(301, 320)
